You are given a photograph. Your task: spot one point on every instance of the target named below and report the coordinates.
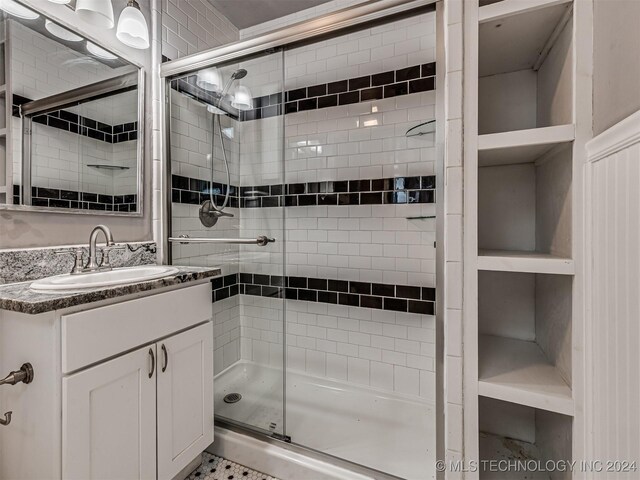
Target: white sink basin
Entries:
(117, 276)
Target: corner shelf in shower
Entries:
(518, 371)
(525, 262)
(521, 146)
(3, 132)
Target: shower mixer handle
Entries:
(220, 213)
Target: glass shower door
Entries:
(227, 166)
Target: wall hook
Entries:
(7, 419)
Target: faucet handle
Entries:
(78, 266)
(106, 264)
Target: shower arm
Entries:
(261, 241)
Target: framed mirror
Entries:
(71, 122)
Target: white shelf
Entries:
(495, 447)
(3, 189)
(521, 146)
(517, 371)
(526, 262)
(515, 34)
(3, 132)
(507, 8)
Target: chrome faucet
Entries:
(92, 264)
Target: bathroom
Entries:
(319, 239)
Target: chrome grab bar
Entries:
(261, 241)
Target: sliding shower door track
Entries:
(288, 443)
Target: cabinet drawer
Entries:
(93, 335)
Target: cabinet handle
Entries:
(153, 362)
(166, 358)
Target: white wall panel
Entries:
(613, 329)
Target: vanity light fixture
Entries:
(60, 32)
(17, 10)
(242, 99)
(132, 27)
(100, 52)
(96, 12)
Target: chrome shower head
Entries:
(238, 74)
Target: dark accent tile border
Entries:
(397, 298)
(85, 126)
(414, 79)
(378, 191)
(54, 197)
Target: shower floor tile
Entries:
(218, 468)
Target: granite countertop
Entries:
(18, 297)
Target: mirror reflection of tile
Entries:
(83, 155)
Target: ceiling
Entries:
(246, 13)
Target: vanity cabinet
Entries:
(123, 388)
(184, 398)
(109, 419)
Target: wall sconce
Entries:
(96, 12)
(132, 27)
(132, 30)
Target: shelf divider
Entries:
(517, 371)
(524, 262)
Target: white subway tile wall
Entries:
(226, 333)
(191, 26)
(391, 46)
(42, 67)
(388, 243)
(392, 351)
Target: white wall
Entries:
(612, 330)
(616, 61)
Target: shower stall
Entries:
(303, 162)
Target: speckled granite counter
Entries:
(18, 297)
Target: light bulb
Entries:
(242, 99)
(132, 27)
(96, 12)
(60, 32)
(209, 79)
(17, 10)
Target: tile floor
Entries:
(217, 468)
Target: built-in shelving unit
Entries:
(524, 173)
(517, 433)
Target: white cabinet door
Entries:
(109, 419)
(185, 398)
